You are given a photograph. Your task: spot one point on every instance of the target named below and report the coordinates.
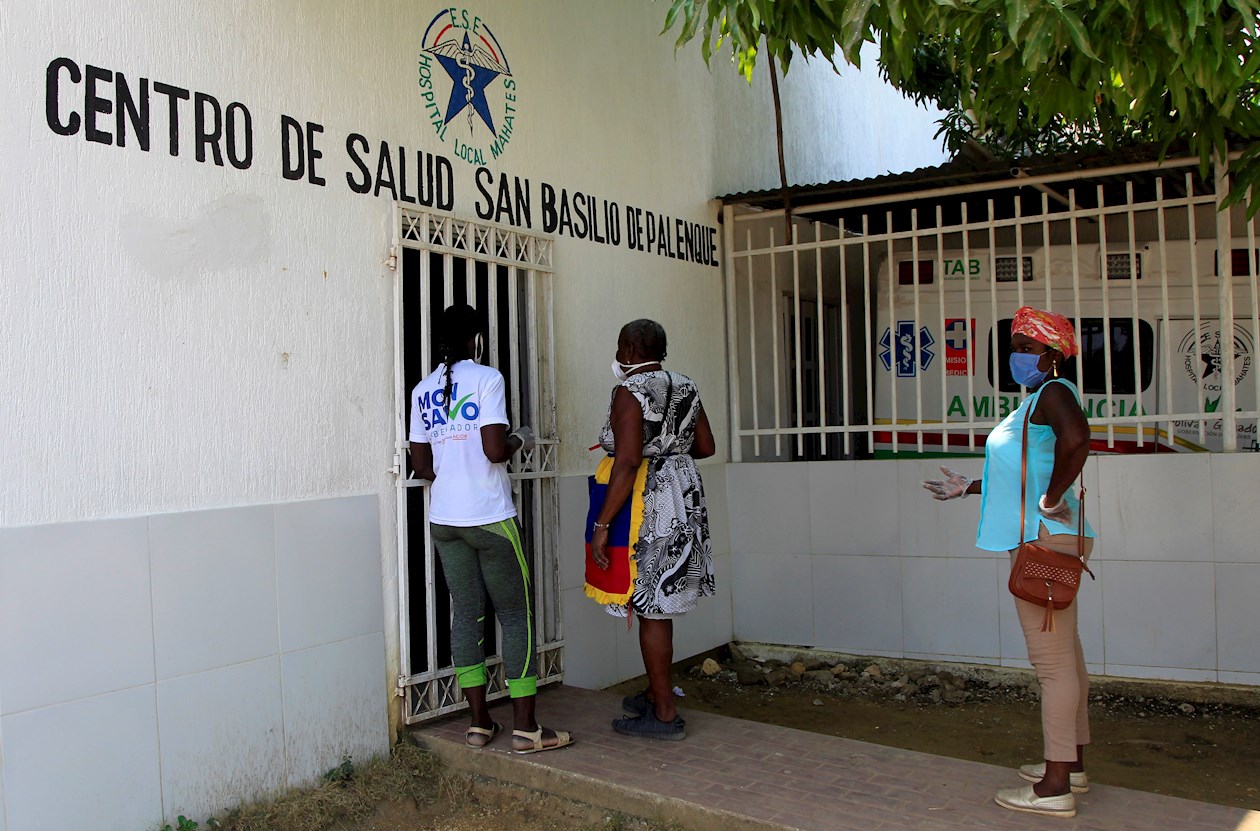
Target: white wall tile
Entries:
(693, 634)
(92, 763)
(950, 606)
(857, 603)
(79, 595)
(1093, 505)
(1192, 676)
(629, 656)
(1089, 620)
(590, 642)
(929, 527)
(574, 501)
(1132, 490)
(1235, 520)
(1238, 616)
(336, 698)
(1156, 615)
(833, 512)
(227, 558)
(723, 614)
(715, 499)
(695, 631)
(222, 738)
(772, 598)
(328, 565)
(3, 825)
(1251, 679)
(772, 507)
(854, 508)
(1012, 644)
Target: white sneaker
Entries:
(1035, 773)
(1026, 800)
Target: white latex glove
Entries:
(952, 487)
(526, 434)
(1059, 513)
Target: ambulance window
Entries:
(1091, 340)
(906, 275)
(1005, 272)
(1241, 259)
(1124, 267)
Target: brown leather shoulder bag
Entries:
(1040, 575)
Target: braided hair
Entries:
(458, 325)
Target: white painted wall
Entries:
(836, 126)
(174, 318)
(855, 557)
(182, 337)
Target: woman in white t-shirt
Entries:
(460, 442)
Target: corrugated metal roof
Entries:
(969, 167)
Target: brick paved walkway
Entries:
(732, 774)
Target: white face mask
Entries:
(621, 371)
(479, 348)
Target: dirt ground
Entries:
(495, 805)
(1191, 741)
(1194, 741)
(413, 791)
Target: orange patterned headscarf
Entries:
(1055, 331)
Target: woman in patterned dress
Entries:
(657, 415)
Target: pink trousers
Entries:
(1060, 664)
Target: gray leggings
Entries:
(480, 559)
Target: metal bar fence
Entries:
(517, 269)
(1125, 251)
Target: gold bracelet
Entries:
(600, 524)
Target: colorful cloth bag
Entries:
(614, 585)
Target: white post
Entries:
(1225, 284)
(732, 330)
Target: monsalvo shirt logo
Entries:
(442, 418)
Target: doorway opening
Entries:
(443, 260)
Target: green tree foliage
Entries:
(1029, 76)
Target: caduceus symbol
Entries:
(465, 62)
(472, 67)
(907, 348)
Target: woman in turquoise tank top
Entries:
(1058, 444)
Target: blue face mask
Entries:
(1024, 369)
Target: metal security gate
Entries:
(507, 275)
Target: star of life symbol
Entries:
(482, 88)
(906, 360)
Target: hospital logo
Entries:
(902, 353)
(466, 86)
(1201, 356)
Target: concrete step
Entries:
(736, 775)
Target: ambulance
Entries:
(941, 342)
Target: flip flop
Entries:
(481, 736)
(563, 739)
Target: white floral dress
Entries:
(674, 554)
